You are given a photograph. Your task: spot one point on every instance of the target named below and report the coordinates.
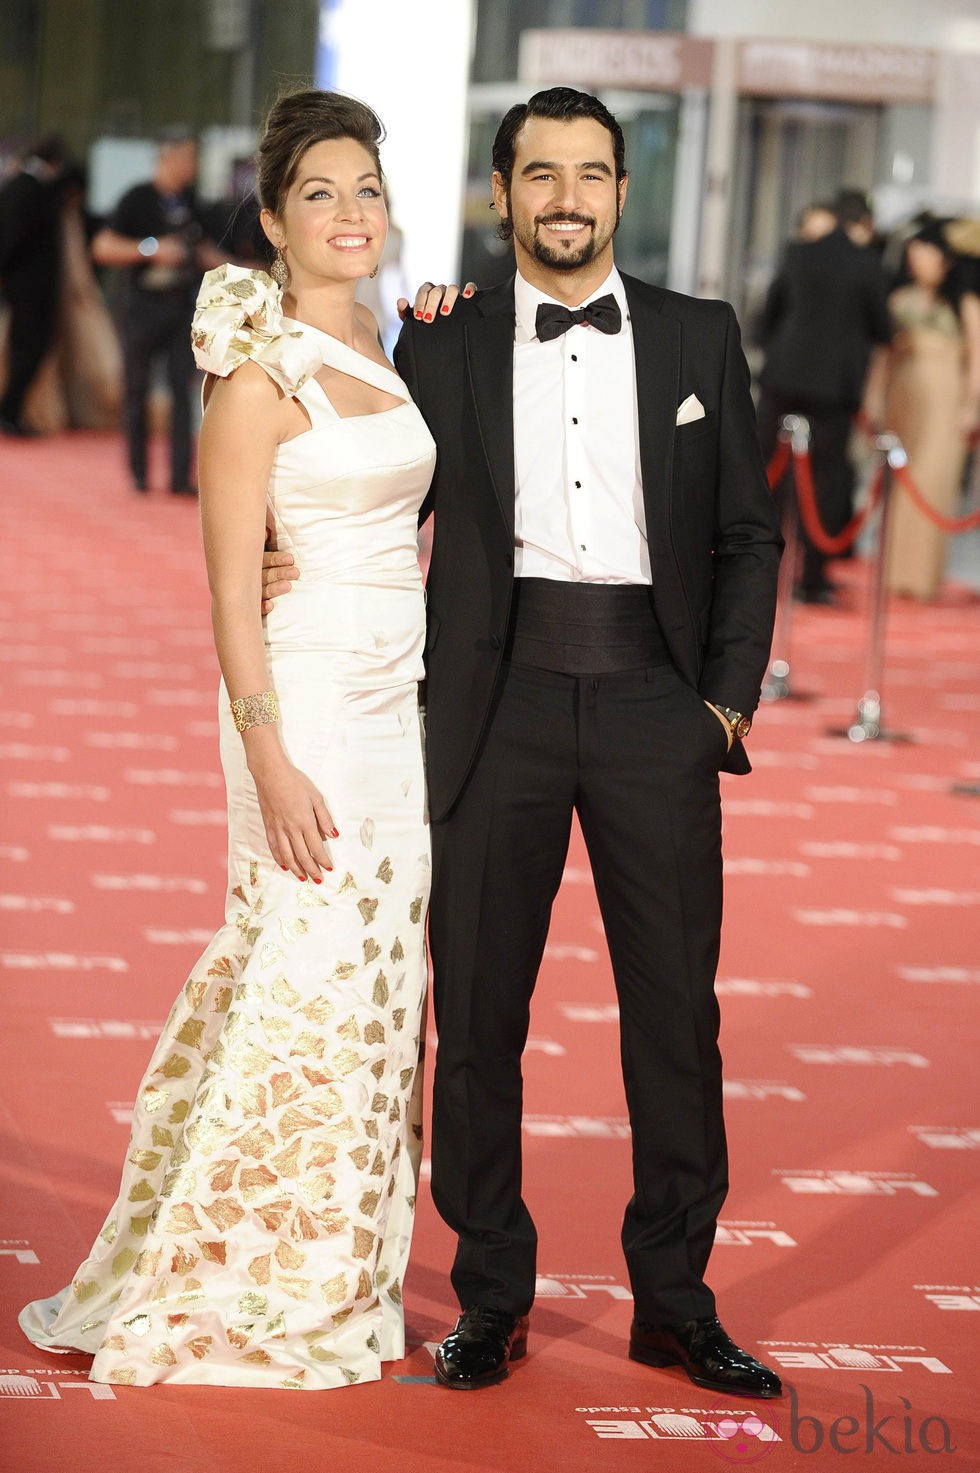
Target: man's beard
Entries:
(560, 258)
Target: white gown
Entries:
(265, 1213)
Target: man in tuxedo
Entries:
(825, 311)
(600, 603)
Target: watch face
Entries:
(743, 727)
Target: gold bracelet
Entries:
(256, 710)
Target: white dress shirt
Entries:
(579, 506)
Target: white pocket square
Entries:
(691, 409)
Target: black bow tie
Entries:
(551, 321)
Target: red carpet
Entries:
(849, 984)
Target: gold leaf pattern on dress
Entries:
(284, 1088)
(175, 1321)
(276, 1329)
(378, 1165)
(192, 1291)
(293, 1120)
(379, 1104)
(221, 1175)
(190, 1032)
(385, 872)
(225, 1214)
(257, 1142)
(302, 1227)
(252, 1303)
(371, 950)
(221, 967)
(374, 1032)
(200, 1346)
(271, 955)
(347, 883)
(351, 1377)
(317, 1187)
(153, 1098)
(175, 1067)
(145, 1160)
(369, 1203)
(406, 1076)
(343, 970)
(415, 910)
(334, 1290)
(293, 930)
(363, 1242)
(183, 1219)
(295, 1287)
(378, 1069)
(125, 1376)
(334, 1220)
(255, 1181)
(194, 994)
(309, 1044)
(260, 1269)
(253, 1100)
(373, 1343)
(347, 1060)
(83, 1290)
(272, 1215)
(288, 1256)
(318, 1010)
(251, 1059)
(368, 909)
(381, 992)
(148, 1263)
(141, 1192)
(160, 1136)
(113, 1342)
(183, 1262)
(239, 1335)
(398, 1018)
(162, 1355)
(222, 999)
(394, 1291)
(322, 1153)
(108, 1233)
(139, 1324)
(397, 951)
(214, 1252)
(287, 1162)
(348, 1029)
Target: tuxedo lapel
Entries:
(657, 354)
(490, 362)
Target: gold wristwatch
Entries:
(740, 725)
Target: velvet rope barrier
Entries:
(946, 524)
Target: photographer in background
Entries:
(157, 235)
(30, 270)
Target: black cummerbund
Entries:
(584, 628)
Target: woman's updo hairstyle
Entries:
(299, 120)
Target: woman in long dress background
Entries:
(263, 1222)
(932, 402)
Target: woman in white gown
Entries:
(265, 1212)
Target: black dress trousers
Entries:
(636, 756)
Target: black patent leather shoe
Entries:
(480, 1349)
(709, 1356)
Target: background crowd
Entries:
(859, 332)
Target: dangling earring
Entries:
(375, 271)
(279, 270)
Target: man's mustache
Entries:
(565, 220)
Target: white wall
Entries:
(946, 25)
(410, 62)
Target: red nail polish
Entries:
(335, 833)
(302, 877)
(443, 309)
(317, 881)
(284, 868)
(428, 316)
(418, 314)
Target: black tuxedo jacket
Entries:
(712, 529)
(825, 309)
